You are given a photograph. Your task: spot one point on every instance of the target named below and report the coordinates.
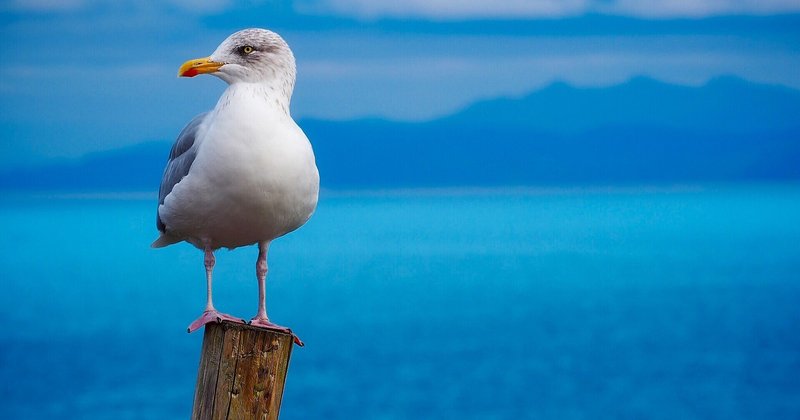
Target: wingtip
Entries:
(163, 240)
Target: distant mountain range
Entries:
(639, 132)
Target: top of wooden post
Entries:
(242, 372)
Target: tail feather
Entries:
(164, 240)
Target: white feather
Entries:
(254, 177)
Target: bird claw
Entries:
(265, 323)
(211, 316)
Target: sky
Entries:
(80, 76)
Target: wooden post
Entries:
(242, 372)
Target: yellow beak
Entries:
(197, 66)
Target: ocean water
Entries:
(518, 304)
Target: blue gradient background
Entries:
(483, 290)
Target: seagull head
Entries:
(250, 56)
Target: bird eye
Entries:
(247, 49)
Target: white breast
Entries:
(254, 177)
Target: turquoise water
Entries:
(555, 304)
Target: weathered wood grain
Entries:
(242, 372)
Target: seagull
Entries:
(243, 173)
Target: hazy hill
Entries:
(724, 104)
(639, 132)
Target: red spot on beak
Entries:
(190, 73)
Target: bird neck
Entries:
(276, 94)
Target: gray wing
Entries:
(180, 161)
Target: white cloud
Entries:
(203, 6)
(699, 8)
(44, 5)
(450, 9)
(460, 9)
(199, 7)
(434, 9)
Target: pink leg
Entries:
(210, 314)
(261, 319)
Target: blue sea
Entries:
(657, 303)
